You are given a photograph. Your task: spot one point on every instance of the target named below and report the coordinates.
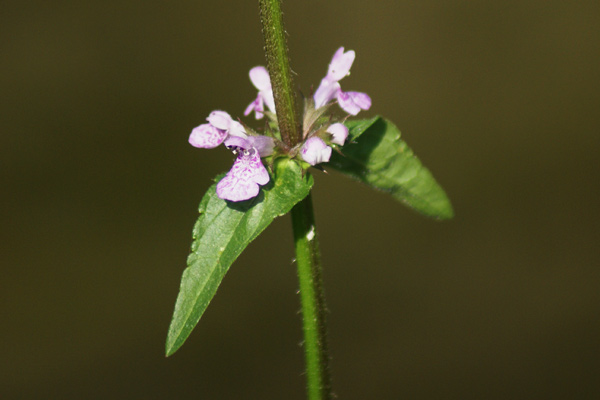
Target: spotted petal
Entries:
(207, 136)
(241, 182)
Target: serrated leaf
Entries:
(222, 232)
(374, 154)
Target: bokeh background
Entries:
(100, 191)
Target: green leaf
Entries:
(374, 154)
(222, 232)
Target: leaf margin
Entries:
(284, 169)
(424, 195)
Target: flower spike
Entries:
(320, 133)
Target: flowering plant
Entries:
(271, 176)
(319, 132)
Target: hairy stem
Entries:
(278, 64)
(312, 299)
(303, 221)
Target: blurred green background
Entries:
(100, 191)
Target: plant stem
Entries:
(308, 260)
(312, 300)
(278, 64)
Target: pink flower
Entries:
(243, 180)
(329, 89)
(220, 126)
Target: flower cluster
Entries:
(320, 133)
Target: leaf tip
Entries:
(171, 347)
(446, 214)
(441, 211)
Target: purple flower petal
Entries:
(207, 136)
(237, 129)
(220, 119)
(315, 151)
(340, 64)
(339, 133)
(259, 76)
(237, 143)
(353, 102)
(326, 92)
(263, 144)
(269, 99)
(224, 122)
(260, 79)
(257, 106)
(361, 99)
(241, 182)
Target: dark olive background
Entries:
(100, 191)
